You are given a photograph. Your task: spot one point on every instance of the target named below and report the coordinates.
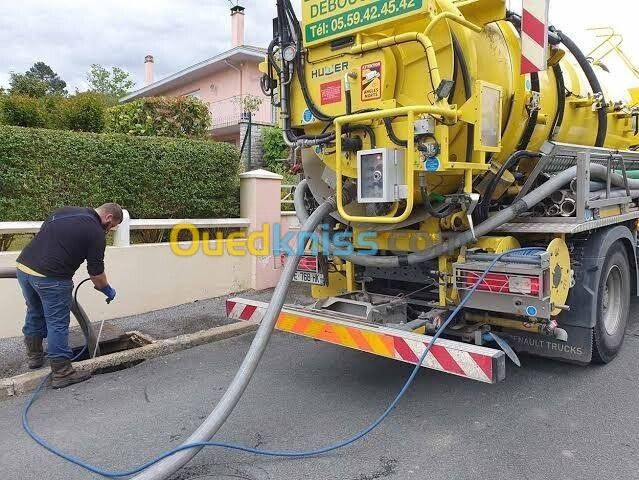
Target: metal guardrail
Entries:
(287, 194)
(229, 111)
(122, 236)
(158, 224)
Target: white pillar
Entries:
(122, 237)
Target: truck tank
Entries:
(437, 155)
(377, 59)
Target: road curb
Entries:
(27, 382)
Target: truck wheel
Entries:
(613, 305)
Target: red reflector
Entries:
(502, 283)
(493, 282)
(308, 264)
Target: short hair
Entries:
(113, 209)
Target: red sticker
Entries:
(331, 92)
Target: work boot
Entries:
(64, 374)
(35, 352)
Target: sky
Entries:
(70, 35)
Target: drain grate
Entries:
(112, 340)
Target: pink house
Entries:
(223, 82)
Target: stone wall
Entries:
(255, 147)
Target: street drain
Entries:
(112, 340)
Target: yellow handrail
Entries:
(455, 18)
(425, 42)
(409, 169)
(614, 41)
(440, 109)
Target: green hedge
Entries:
(23, 111)
(82, 112)
(41, 170)
(161, 116)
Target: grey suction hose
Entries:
(620, 193)
(167, 467)
(7, 273)
(466, 238)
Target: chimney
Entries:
(148, 70)
(237, 26)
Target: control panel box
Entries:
(381, 176)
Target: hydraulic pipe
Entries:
(558, 197)
(568, 207)
(619, 193)
(523, 205)
(589, 72)
(167, 467)
(594, 186)
(633, 174)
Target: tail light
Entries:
(502, 283)
(308, 264)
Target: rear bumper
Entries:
(464, 360)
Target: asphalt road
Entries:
(547, 420)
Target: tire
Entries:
(613, 305)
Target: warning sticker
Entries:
(331, 92)
(371, 81)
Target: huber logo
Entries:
(329, 70)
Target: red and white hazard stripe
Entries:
(462, 359)
(247, 312)
(446, 358)
(534, 36)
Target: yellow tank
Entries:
(393, 55)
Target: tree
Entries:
(38, 81)
(43, 72)
(21, 84)
(115, 84)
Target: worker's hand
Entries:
(109, 292)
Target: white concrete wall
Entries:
(146, 277)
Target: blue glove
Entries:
(109, 292)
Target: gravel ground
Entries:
(159, 324)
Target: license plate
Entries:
(314, 278)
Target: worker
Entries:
(45, 268)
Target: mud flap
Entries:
(578, 348)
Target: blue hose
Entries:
(288, 454)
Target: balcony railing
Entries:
(229, 112)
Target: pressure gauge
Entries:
(289, 53)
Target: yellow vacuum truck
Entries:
(440, 155)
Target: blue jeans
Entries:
(48, 311)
